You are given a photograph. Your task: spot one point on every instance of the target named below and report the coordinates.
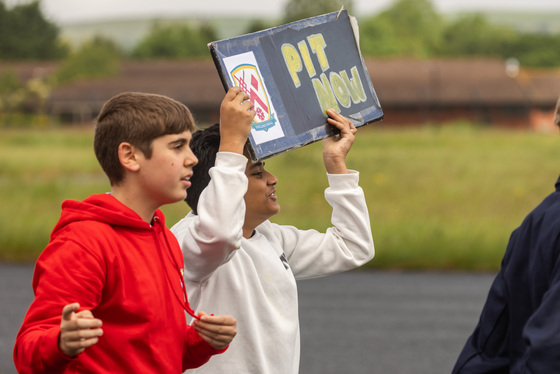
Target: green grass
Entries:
(39, 169)
(444, 198)
(439, 197)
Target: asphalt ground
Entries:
(360, 322)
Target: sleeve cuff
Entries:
(344, 181)
(50, 350)
(231, 160)
(198, 350)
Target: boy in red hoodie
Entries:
(109, 291)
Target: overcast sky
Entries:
(79, 10)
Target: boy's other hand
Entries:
(218, 331)
(335, 148)
(236, 117)
(78, 331)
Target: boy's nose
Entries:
(191, 159)
(272, 180)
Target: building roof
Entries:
(398, 82)
(459, 82)
(195, 83)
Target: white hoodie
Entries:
(254, 279)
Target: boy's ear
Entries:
(128, 156)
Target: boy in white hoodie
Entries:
(240, 263)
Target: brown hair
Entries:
(136, 118)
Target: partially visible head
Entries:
(260, 199)
(204, 144)
(136, 118)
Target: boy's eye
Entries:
(257, 174)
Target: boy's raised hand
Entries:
(78, 331)
(236, 117)
(335, 148)
(218, 331)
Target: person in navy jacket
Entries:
(519, 328)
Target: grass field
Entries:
(439, 197)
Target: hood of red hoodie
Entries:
(102, 208)
(107, 209)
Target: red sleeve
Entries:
(197, 351)
(64, 274)
(36, 351)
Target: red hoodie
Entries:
(128, 273)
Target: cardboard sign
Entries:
(294, 73)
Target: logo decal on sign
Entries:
(247, 77)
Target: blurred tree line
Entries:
(411, 28)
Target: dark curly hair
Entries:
(205, 145)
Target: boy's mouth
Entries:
(272, 195)
(186, 180)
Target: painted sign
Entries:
(294, 73)
(245, 74)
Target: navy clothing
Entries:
(519, 328)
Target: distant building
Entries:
(486, 91)
(411, 92)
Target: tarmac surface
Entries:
(361, 322)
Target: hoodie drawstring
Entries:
(185, 301)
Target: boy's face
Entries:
(260, 199)
(165, 176)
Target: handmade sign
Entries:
(293, 74)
